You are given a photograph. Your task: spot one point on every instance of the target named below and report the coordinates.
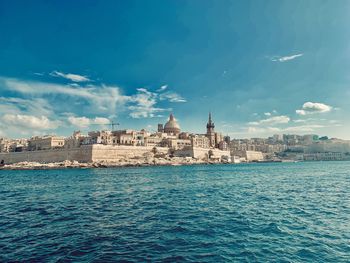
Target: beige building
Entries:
(168, 137)
(253, 156)
(16, 145)
(171, 127)
(74, 141)
(324, 156)
(45, 143)
(200, 141)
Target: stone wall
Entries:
(253, 156)
(99, 152)
(82, 154)
(114, 153)
(85, 153)
(200, 153)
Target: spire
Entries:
(210, 124)
(171, 117)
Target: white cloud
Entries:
(92, 99)
(34, 106)
(162, 88)
(303, 128)
(267, 113)
(285, 58)
(101, 121)
(70, 76)
(103, 98)
(271, 121)
(84, 122)
(267, 131)
(29, 121)
(313, 107)
(299, 121)
(145, 104)
(172, 97)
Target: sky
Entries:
(260, 67)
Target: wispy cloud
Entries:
(313, 107)
(70, 76)
(172, 97)
(271, 121)
(101, 98)
(38, 74)
(96, 98)
(33, 106)
(162, 88)
(26, 116)
(29, 121)
(267, 131)
(285, 58)
(144, 104)
(84, 122)
(34, 102)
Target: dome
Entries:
(172, 126)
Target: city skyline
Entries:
(276, 67)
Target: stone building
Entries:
(210, 132)
(45, 143)
(171, 127)
(200, 141)
(214, 137)
(99, 137)
(16, 145)
(74, 141)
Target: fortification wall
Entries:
(200, 153)
(82, 154)
(114, 153)
(85, 153)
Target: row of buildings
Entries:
(169, 135)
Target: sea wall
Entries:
(200, 153)
(82, 154)
(85, 153)
(114, 153)
(103, 153)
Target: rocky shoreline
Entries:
(136, 162)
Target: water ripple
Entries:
(245, 213)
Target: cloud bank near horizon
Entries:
(44, 106)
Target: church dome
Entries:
(172, 126)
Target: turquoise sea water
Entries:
(280, 212)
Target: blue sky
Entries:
(260, 67)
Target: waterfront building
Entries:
(210, 132)
(324, 156)
(227, 139)
(74, 141)
(99, 137)
(253, 156)
(200, 141)
(223, 146)
(172, 127)
(16, 145)
(47, 142)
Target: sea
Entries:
(261, 212)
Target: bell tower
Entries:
(210, 131)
